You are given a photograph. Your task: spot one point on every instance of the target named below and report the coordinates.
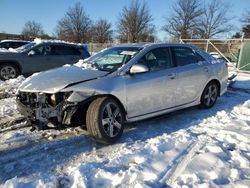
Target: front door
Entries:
(39, 59)
(154, 90)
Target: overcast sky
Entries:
(14, 13)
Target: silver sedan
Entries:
(123, 84)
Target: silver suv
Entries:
(39, 56)
(123, 84)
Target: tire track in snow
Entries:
(181, 161)
(26, 138)
(15, 161)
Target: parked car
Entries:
(39, 56)
(123, 84)
(6, 44)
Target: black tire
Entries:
(209, 95)
(8, 68)
(105, 120)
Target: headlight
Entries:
(53, 99)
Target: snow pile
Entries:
(83, 64)
(39, 41)
(224, 158)
(3, 50)
(8, 107)
(8, 112)
(8, 88)
(79, 63)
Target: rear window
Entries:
(65, 50)
(185, 56)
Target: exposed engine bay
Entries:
(42, 108)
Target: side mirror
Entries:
(31, 53)
(137, 68)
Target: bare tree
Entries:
(32, 30)
(214, 19)
(246, 17)
(184, 19)
(102, 31)
(246, 23)
(246, 30)
(237, 35)
(135, 23)
(75, 25)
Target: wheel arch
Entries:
(115, 98)
(84, 105)
(217, 82)
(12, 62)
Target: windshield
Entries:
(111, 59)
(26, 46)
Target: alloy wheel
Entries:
(210, 95)
(111, 119)
(8, 72)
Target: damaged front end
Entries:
(42, 108)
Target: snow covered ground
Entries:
(188, 148)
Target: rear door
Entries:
(65, 54)
(192, 74)
(154, 90)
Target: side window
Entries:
(5, 45)
(42, 50)
(14, 44)
(65, 50)
(157, 59)
(185, 56)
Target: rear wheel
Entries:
(105, 120)
(8, 71)
(209, 95)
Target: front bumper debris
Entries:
(40, 111)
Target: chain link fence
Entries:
(96, 47)
(234, 51)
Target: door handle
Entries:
(171, 76)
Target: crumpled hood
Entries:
(54, 80)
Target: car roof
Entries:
(38, 41)
(60, 43)
(143, 45)
(13, 41)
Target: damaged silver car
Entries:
(123, 84)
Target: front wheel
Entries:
(209, 95)
(105, 120)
